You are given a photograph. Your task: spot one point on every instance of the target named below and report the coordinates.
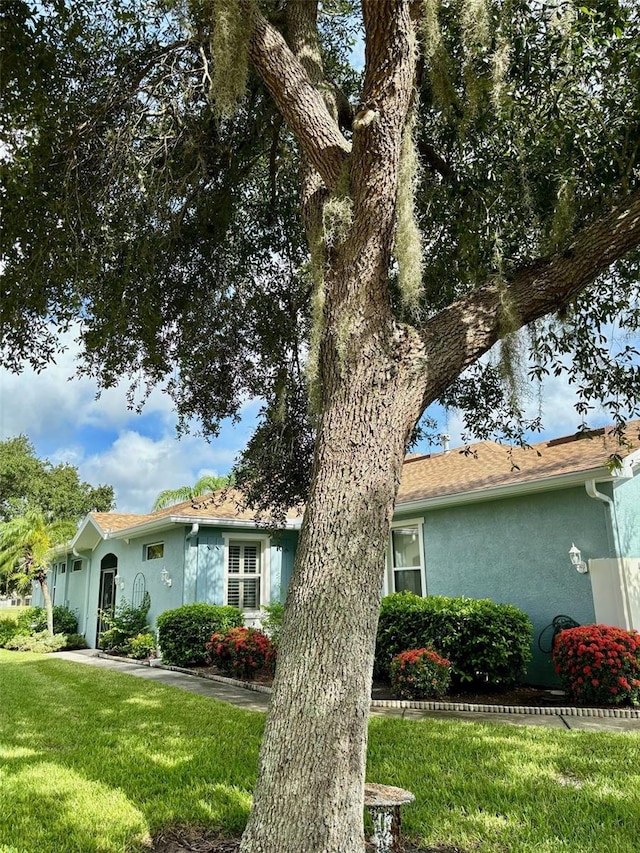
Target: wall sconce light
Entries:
(119, 580)
(165, 577)
(576, 560)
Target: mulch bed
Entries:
(191, 839)
(520, 695)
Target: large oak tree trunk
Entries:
(309, 796)
(310, 791)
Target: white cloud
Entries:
(140, 467)
(60, 414)
(55, 401)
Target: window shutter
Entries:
(234, 559)
(250, 559)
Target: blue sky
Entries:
(140, 455)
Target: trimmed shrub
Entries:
(487, 643)
(75, 641)
(272, 624)
(8, 628)
(140, 647)
(419, 674)
(41, 641)
(126, 622)
(241, 652)
(183, 632)
(599, 664)
(33, 620)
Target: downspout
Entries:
(195, 527)
(86, 596)
(592, 491)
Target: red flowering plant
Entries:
(241, 652)
(419, 674)
(599, 664)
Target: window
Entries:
(407, 567)
(76, 566)
(62, 568)
(243, 575)
(154, 552)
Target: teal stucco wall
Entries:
(195, 564)
(626, 495)
(515, 551)
(68, 588)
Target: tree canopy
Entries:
(27, 482)
(139, 204)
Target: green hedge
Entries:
(487, 643)
(183, 632)
(33, 620)
(8, 628)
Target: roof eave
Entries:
(546, 484)
(170, 520)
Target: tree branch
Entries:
(300, 103)
(461, 333)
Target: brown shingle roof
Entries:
(112, 521)
(488, 465)
(225, 504)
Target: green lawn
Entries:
(92, 761)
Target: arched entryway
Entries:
(107, 594)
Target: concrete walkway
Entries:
(257, 701)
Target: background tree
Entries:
(26, 481)
(206, 483)
(238, 212)
(25, 550)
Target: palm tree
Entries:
(205, 484)
(26, 543)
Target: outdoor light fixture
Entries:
(165, 577)
(576, 560)
(119, 580)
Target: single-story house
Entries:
(488, 522)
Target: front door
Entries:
(107, 594)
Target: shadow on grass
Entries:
(506, 788)
(92, 762)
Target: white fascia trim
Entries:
(548, 484)
(208, 521)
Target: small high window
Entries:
(76, 566)
(154, 552)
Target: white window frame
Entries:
(75, 563)
(264, 541)
(153, 545)
(389, 585)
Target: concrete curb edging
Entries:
(551, 711)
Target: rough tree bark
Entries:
(376, 376)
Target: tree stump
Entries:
(384, 802)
